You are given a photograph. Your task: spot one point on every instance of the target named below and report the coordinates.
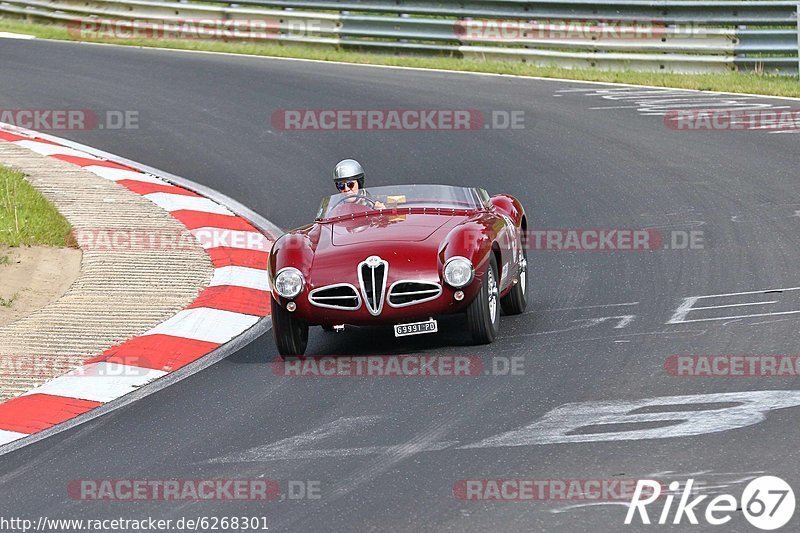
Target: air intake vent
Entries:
(403, 293)
(372, 277)
(340, 296)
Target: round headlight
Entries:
(289, 282)
(458, 272)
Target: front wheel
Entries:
(483, 314)
(290, 333)
(515, 302)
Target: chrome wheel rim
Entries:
(523, 275)
(491, 290)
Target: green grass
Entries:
(9, 302)
(768, 84)
(4, 260)
(26, 217)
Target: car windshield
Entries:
(402, 196)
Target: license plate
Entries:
(416, 328)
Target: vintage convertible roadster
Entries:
(400, 255)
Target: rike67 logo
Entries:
(767, 502)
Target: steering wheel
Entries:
(354, 199)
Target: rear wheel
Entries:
(515, 302)
(291, 334)
(483, 314)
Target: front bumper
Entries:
(444, 304)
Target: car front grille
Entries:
(339, 296)
(372, 277)
(403, 293)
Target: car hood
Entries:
(410, 246)
(387, 228)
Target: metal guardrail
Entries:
(668, 35)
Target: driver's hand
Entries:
(380, 205)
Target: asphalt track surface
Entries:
(392, 448)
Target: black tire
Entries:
(482, 325)
(291, 334)
(327, 328)
(515, 302)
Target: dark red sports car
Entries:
(401, 255)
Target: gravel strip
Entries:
(119, 293)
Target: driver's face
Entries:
(347, 187)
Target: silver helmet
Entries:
(349, 169)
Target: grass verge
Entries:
(735, 82)
(26, 217)
(8, 302)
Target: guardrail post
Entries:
(797, 14)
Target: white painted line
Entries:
(52, 149)
(614, 107)
(9, 35)
(98, 382)
(220, 237)
(667, 96)
(679, 316)
(583, 323)
(687, 306)
(177, 202)
(714, 110)
(238, 276)
(765, 127)
(117, 174)
(733, 305)
(561, 425)
(750, 292)
(10, 436)
(203, 324)
(305, 442)
(734, 317)
(590, 307)
(674, 96)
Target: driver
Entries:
(348, 176)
